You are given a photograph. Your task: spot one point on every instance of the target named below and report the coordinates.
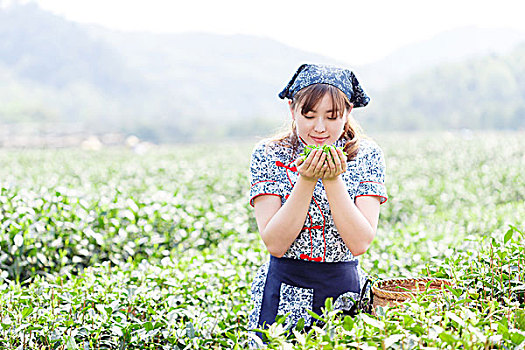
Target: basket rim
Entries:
(376, 286)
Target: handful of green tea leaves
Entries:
(325, 148)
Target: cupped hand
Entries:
(336, 164)
(313, 167)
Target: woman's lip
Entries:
(319, 139)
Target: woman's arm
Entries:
(355, 222)
(280, 225)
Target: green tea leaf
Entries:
(450, 339)
(316, 316)
(517, 338)
(328, 304)
(508, 235)
(26, 312)
(280, 319)
(348, 323)
(300, 324)
(149, 326)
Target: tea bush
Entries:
(117, 250)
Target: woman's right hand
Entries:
(313, 167)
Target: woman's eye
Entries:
(333, 116)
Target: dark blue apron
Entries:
(322, 279)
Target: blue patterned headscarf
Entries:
(342, 78)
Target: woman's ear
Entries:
(291, 109)
(349, 110)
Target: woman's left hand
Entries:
(336, 164)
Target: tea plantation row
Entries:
(115, 250)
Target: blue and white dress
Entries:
(273, 173)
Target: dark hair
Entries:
(311, 95)
(307, 99)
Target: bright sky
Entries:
(356, 32)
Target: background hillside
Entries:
(487, 92)
(59, 73)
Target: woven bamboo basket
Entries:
(394, 291)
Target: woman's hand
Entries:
(313, 167)
(336, 164)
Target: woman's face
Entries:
(319, 126)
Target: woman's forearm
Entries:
(355, 230)
(284, 227)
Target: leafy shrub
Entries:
(114, 250)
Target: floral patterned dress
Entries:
(273, 173)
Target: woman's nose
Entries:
(319, 125)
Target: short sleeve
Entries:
(373, 180)
(262, 175)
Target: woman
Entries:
(315, 214)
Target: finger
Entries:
(336, 158)
(323, 171)
(332, 159)
(318, 167)
(341, 154)
(312, 158)
(318, 154)
(308, 160)
(320, 161)
(309, 164)
(330, 171)
(343, 160)
(299, 161)
(327, 173)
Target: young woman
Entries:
(315, 215)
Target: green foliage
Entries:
(325, 148)
(115, 250)
(75, 209)
(493, 272)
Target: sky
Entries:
(356, 32)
